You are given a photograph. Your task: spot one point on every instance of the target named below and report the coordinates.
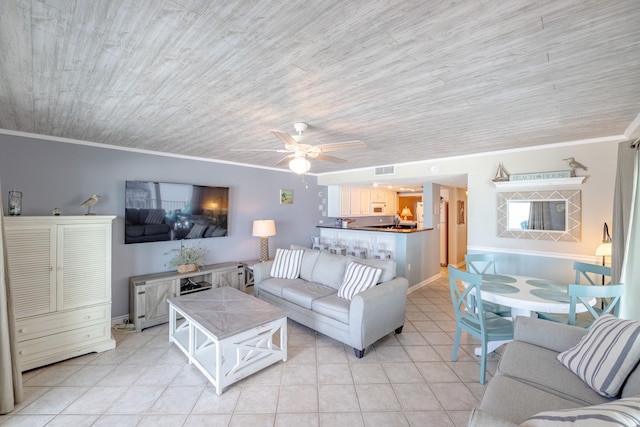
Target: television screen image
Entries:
(160, 211)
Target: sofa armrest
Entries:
(480, 418)
(545, 333)
(261, 271)
(377, 311)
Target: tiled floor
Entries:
(403, 380)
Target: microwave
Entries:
(377, 208)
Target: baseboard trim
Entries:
(424, 283)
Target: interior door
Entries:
(444, 234)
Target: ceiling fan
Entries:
(299, 153)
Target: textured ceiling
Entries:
(412, 79)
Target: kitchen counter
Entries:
(382, 229)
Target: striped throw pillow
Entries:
(358, 278)
(155, 216)
(606, 355)
(621, 412)
(286, 264)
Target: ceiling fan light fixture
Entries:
(299, 165)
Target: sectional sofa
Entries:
(534, 387)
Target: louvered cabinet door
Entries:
(84, 265)
(32, 268)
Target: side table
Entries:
(248, 271)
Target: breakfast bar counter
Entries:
(407, 246)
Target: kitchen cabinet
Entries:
(391, 202)
(356, 201)
(60, 269)
(149, 293)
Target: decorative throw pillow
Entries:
(196, 231)
(358, 278)
(606, 355)
(286, 264)
(155, 216)
(621, 412)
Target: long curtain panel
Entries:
(10, 375)
(626, 228)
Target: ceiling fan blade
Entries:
(321, 156)
(337, 146)
(260, 149)
(289, 142)
(285, 160)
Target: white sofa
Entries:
(312, 298)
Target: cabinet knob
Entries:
(87, 317)
(21, 330)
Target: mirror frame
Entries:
(574, 210)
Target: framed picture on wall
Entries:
(460, 211)
(286, 197)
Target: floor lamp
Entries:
(604, 250)
(264, 228)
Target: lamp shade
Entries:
(299, 165)
(604, 250)
(264, 228)
(406, 212)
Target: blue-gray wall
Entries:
(60, 174)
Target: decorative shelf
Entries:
(540, 182)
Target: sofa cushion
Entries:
(155, 216)
(332, 306)
(540, 367)
(134, 230)
(622, 412)
(287, 263)
(606, 355)
(153, 229)
(305, 293)
(357, 278)
(309, 259)
(515, 401)
(387, 266)
(275, 286)
(196, 231)
(329, 269)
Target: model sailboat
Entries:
(501, 174)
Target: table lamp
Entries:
(406, 212)
(264, 228)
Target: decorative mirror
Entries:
(540, 215)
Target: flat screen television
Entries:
(159, 211)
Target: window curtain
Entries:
(10, 375)
(626, 228)
(539, 216)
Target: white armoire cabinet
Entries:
(60, 277)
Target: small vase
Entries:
(187, 268)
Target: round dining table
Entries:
(526, 296)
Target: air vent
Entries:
(385, 170)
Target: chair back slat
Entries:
(580, 294)
(480, 263)
(592, 273)
(467, 302)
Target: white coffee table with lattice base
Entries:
(227, 334)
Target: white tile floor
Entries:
(403, 380)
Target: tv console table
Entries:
(149, 293)
(227, 334)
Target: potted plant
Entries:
(187, 258)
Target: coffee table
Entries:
(227, 334)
